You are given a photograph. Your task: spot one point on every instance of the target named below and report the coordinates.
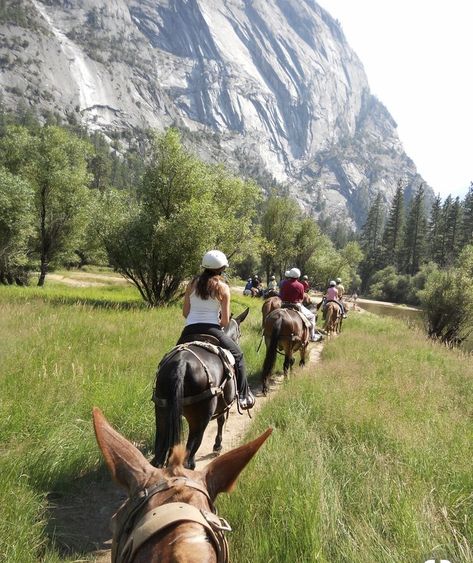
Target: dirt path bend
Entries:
(233, 432)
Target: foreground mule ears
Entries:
(127, 464)
(221, 474)
(242, 316)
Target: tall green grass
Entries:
(371, 458)
(63, 351)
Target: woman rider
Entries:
(207, 311)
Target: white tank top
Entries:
(203, 310)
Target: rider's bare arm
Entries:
(224, 298)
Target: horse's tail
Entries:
(271, 351)
(169, 416)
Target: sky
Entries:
(418, 57)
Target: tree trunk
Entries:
(43, 272)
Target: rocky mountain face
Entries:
(269, 86)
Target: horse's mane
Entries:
(177, 458)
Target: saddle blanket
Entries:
(294, 307)
(225, 355)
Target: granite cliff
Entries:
(271, 86)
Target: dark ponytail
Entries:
(207, 284)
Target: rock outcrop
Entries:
(270, 84)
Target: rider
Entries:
(249, 284)
(332, 295)
(305, 283)
(341, 291)
(292, 292)
(207, 311)
(273, 284)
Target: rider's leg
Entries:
(311, 317)
(246, 398)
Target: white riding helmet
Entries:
(272, 278)
(294, 273)
(305, 277)
(286, 274)
(339, 280)
(333, 283)
(214, 260)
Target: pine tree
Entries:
(466, 235)
(371, 238)
(392, 236)
(413, 251)
(453, 219)
(434, 235)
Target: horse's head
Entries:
(188, 528)
(233, 327)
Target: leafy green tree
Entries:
(279, 226)
(447, 301)
(452, 226)
(306, 242)
(53, 161)
(393, 231)
(58, 173)
(414, 241)
(16, 227)
(183, 208)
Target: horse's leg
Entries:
(218, 439)
(303, 352)
(198, 421)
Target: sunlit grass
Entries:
(371, 458)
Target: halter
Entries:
(133, 525)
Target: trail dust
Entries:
(79, 521)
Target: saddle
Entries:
(209, 343)
(296, 307)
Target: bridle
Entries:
(134, 524)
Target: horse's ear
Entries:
(127, 464)
(242, 316)
(221, 474)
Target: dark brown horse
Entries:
(269, 305)
(169, 514)
(284, 330)
(332, 318)
(193, 383)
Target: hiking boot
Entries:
(247, 402)
(344, 315)
(316, 338)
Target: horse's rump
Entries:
(292, 326)
(206, 370)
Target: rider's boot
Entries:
(248, 401)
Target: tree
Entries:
(16, 227)
(58, 172)
(306, 242)
(53, 161)
(414, 242)
(279, 226)
(182, 208)
(467, 223)
(447, 301)
(452, 226)
(371, 237)
(434, 232)
(392, 236)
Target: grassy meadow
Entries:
(370, 459)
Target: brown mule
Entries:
(169, 515)
(269, 305)
(283, 330)
(332, 318)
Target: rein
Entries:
(133, 525)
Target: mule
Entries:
(283, 330)
(332, 318)
(269, 305)
(169, 515)
(194, 383)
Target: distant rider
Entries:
(341, 292)
(292, 293)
